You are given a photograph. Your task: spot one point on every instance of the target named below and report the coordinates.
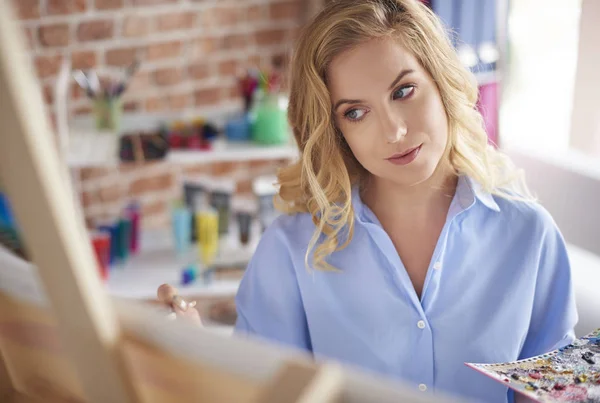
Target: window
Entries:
(539, 76)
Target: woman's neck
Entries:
(411, 204)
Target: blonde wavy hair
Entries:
(321, 181)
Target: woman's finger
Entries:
(166, 293)
(181, 308)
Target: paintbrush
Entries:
(84, 83)
(129, 72)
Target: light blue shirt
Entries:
(498, 288)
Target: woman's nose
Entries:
(393, 127)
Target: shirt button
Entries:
(437, 265)
(422, 387)
(421, 324)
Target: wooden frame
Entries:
(63, 339)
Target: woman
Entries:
(410, 246)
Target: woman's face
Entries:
(389, 111)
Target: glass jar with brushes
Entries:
(107, 98)
(269, 119)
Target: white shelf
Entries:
(93, 149)
(102, 152)
(224, 151)
(157, 264)
(90, 148)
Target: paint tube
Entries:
(265, 189)
(221, 193)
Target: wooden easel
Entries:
(62, 339)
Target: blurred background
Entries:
(170, 115)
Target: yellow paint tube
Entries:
(207, 227)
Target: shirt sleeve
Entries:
(268, 301)
(554, 313)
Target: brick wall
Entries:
(190, 51)
(106, 190)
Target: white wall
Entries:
(569, 187)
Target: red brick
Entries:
(259, 164)
(152, 2)
(270, 37)
(106, 81)
(27, 9)
(232, 92)
(140, 81)
(83, 59)
(201, 169)
(29, 38)
(235, 41)
(168, 76)
(76, 91)
(48, 94)
(93, 173)
(179, 101)
(53, 35)
(108, 4)
(87, 199)
(207, 96)
(90, 221)
(204, 46)
(110, 194)
(175, 21)
(120, 57)
(128, 167)
(229, 68)
(257, 12)
(95, 30)
(154, 104)
(154, 208)
(82, 110)
(151, 184)
(221, 16)
(294, 34)
(222, 168)
(66, 6)
(253, 60)
(53, 124)
(131, 106)
(199, 70)
(135, 25)
(244, 186)
(164, 50)
(47, 66)
(285, 10)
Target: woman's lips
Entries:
(405, 157)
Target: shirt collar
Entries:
(477, 191)
(468, 191)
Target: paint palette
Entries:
(570, 374)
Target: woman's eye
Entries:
(355, 114)
(403, 92)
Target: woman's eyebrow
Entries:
(358, 101)
(400, 77)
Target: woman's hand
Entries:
(167, 295)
